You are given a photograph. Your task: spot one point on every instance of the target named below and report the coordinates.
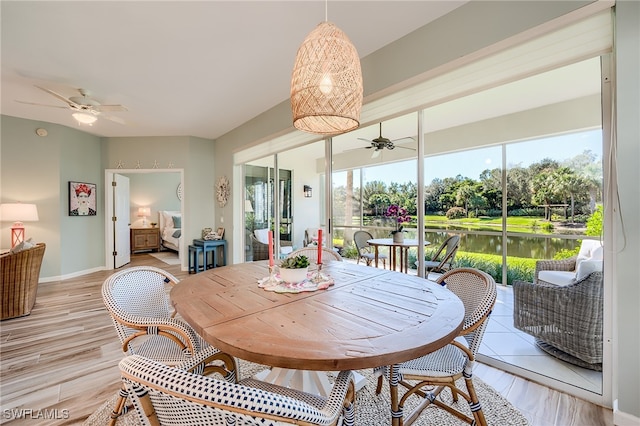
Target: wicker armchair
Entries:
(136, 298)
(19, 274)
(261, 250)
(565, 320)
(442, 368)
(165, 395)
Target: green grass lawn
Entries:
(523, 224)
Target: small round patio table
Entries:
(393, 246)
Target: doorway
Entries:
(157, 189)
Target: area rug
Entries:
(168, 257)
(372, 409)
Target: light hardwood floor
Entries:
(61, 361)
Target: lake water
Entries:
(526, 247)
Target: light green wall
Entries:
(199, 188)
(37, 170)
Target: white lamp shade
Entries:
(247, 206)
(144, 212)
(18, 212)
(84, 118)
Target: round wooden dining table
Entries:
(369, 317)
(403, 247)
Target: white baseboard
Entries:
(621, 418)
(73, 275)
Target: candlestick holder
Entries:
(272, 277)
(318, 277)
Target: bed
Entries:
(170, 229)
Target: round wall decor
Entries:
(179, 191)
(222, 190)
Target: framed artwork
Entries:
(220, 233)
(82, 199)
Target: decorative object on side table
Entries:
(205, 232)
(399, 216)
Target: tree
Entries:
(569, 185)
(464, 194)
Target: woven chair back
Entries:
(478, 292)
(166, 395)
(360, 239)
(139, 291)
(312, 254)
(449, 247)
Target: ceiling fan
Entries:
(380, 143)
(87, 109)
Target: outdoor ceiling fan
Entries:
(86, 109)
(380, 143)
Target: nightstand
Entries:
(145, 239)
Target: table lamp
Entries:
(18, 213)
(144, 213)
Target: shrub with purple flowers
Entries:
(399, 216)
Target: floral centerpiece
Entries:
(399, 216)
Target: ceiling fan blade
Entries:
(58, 95)
(408, 138)
(111, 108)
(405, 147)
(365, 139)
(45, 105)
(112, 118)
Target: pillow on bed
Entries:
(177, 221)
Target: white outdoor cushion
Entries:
(597, 253)
(587, 249)
(559, 278)
(286, 249)
(262, 235)
(588, 266)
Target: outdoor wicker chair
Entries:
(312, 254)
(443, 259)
(442, 368)
(137, 300)
(361, 238)
(163, 395)
(564, 316)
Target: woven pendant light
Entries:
(326, 85)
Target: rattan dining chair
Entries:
(442, 368)
(360, 239)
(164, 395)
(312, 254)
(137, 301)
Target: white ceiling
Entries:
(181, 68)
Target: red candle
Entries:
(271, 248)
(319, 246)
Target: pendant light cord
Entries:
(326, 10)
